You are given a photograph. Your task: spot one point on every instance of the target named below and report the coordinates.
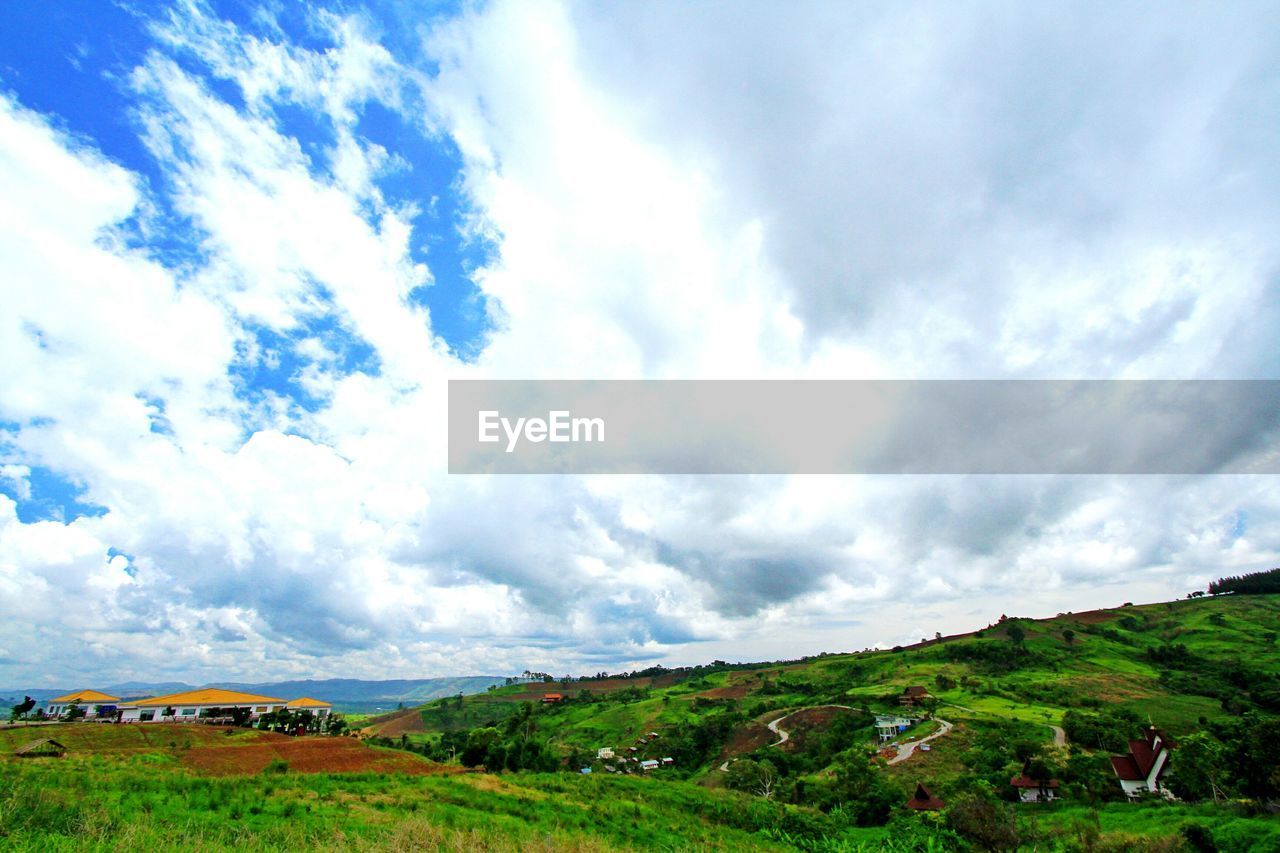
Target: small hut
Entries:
(924, 801)
(43, 748)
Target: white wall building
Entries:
(87, 700)
(196, 704)
(1139, 772)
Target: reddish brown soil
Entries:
(535, 692)
(1093, 617)
(308, 755)
(747, 739)
(735, 692)
(400, 723)
(804, 724)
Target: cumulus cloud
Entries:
(907, 192)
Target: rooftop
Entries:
(209, 696)
(86, 696)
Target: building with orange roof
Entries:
(316, 706)
(87, 700)
(192, 705)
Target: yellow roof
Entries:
(308, 702)
(210, 696)
(86, 696)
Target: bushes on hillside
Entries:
(991, 657)
(982, 819)
(1111, 729)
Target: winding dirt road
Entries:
(906, 750)
(783, 734)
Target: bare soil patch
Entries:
(309, 755)
(403, 722)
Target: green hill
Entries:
(1173, 663)
(767, 756)
(1205, 669)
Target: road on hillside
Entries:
(906, 750)
(783, 734)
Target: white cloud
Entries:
(843, 193)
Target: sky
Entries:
(243, 247)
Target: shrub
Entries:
(985, 821)
(1199, 838)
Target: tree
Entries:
(981, 818)
(1201, 762)
(754, 777)
(1069, 636)
(1016, 634)
(479, 743)
(23, 708)
(1252, 754)
(863, 792)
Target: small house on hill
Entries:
(1032, 789)
(889, 726)
(552, 698)
(43, 748)
(912, 695)
(923, 801)
(1141, 770)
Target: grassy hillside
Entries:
(767, 756)
(1114, 658)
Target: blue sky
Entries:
(71, 62)
(244, 246)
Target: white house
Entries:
(890, 726)
(1141, 769)
(87, 700)
(604, 752)
(649, 764)
(193, 705)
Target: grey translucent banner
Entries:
(864, 427)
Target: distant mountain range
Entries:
(347, 694)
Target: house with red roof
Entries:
(1032, 789)
(1140, 770)
(924, 801)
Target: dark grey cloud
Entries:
(935, 158)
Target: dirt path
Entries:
(783, 734)
(1059, 736)
(906, 750)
